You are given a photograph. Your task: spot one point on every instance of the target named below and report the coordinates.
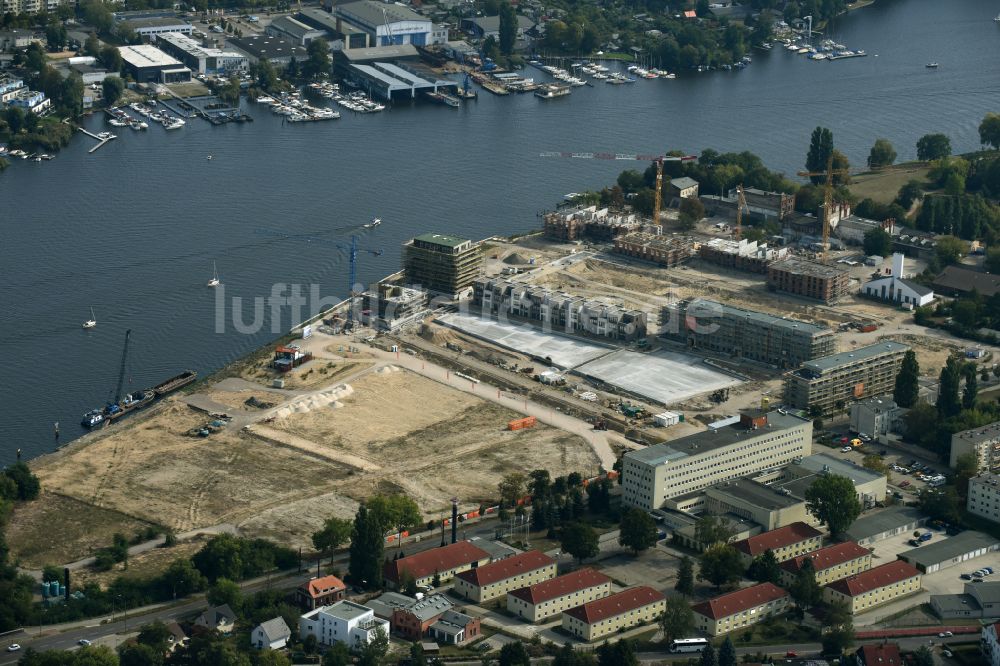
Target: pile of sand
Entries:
(307, 403)
(436, 334)
(515, 259)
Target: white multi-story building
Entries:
(200, 58)
(984, 496)
(982, 442)
(757, 442)
(343, 622)
(990, 644)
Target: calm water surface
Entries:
(132, 229)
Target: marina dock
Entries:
(100, 140)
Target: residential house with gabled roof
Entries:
(874, 587)
(617, 612)
(444, 562)
(541, 601)
(494, 580)
(270, 635)
(785, 542)
(220, 618)
(321, 591)
(831, 563)
(740, 609)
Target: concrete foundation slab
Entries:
(663, 377)
(565, 352)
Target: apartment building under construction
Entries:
(663, 250)
(830, 383)
(442, 264)
(591, 222)
(742, 255)
(746, 334)
(809, 279)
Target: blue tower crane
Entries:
(352, 249)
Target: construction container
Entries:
(667, 419)
(521, 424)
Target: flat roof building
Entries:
(875, 416)
(785, 542)
(742, 255)
(202, 59)
(541, 601)
(495, 580)
(809, 279)
(294, 30)
(276, 50)
(149, 64)
(797, 477)
(588, 222)
(740, 609)
(343, 622)
(759, 441)
(768, 507)
(390, 306)
(889, 522)
(441, 263)
(874, 587)
(830, 383)
(984, 497)
(154, 26)
(979, 600)
(982, 442)
(614, 613)
(746, 334)
(950, 551)
(663, 250)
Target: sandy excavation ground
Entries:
(433, 442)
(152, 469)
(390, 431)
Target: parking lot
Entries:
(945, 581)
(904, 481)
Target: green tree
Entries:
(367, 549)
(907, 388)
(511, 488)
(708, 657)
(267, 77)
(878, 242)
(804, 589)
(508, 28)
(335, 533)
(579, 540)
(691, 211)
(711, 529)
(271, 658)
(677, 620)
(514, 654)
(989, 130)
(882, 154)
(224, 591)
(834, 502)
(318, 60)
(112, 58)
(112, 88)
(933, 147)
(876, 464)
(337, 655)
(155, 635)
(374, 651)
(720, 565)
(909, 193)
(567, 656)
(948, 402)
(941, 504)
(621, 653)
(139, 654)
(966, 467)
(727, 653)
(27, 483)
(971, 389)
(55, 36)
(765, 568)
(637, 530)
(923, 656)
(685, 577)
(820, 152)
(92, 46)
(838, 640)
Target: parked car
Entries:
(903, 484)
(945, 634)
(947, 653)
(83, 641)
(13, 647)
(846, 449)
(966, 576)
(791, 654)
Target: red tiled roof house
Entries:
(786, 542)
(607, 616)
(317, 592)
(445, 561)
(543, 600)
(497, 579)
(831, 563)
(739, 609)
(874, 587)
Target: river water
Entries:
(133, 228)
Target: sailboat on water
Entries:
(214, 282)
(92, 322)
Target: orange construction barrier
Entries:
(519, 424)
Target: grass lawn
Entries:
(55, 529)
(771, 632)
(883, 186)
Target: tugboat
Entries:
(120, 406)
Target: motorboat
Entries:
(931, 65)
(92, 322)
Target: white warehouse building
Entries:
(387, 24)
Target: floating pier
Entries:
(100, 140)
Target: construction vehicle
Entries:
(600, 424)
(658, 160)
